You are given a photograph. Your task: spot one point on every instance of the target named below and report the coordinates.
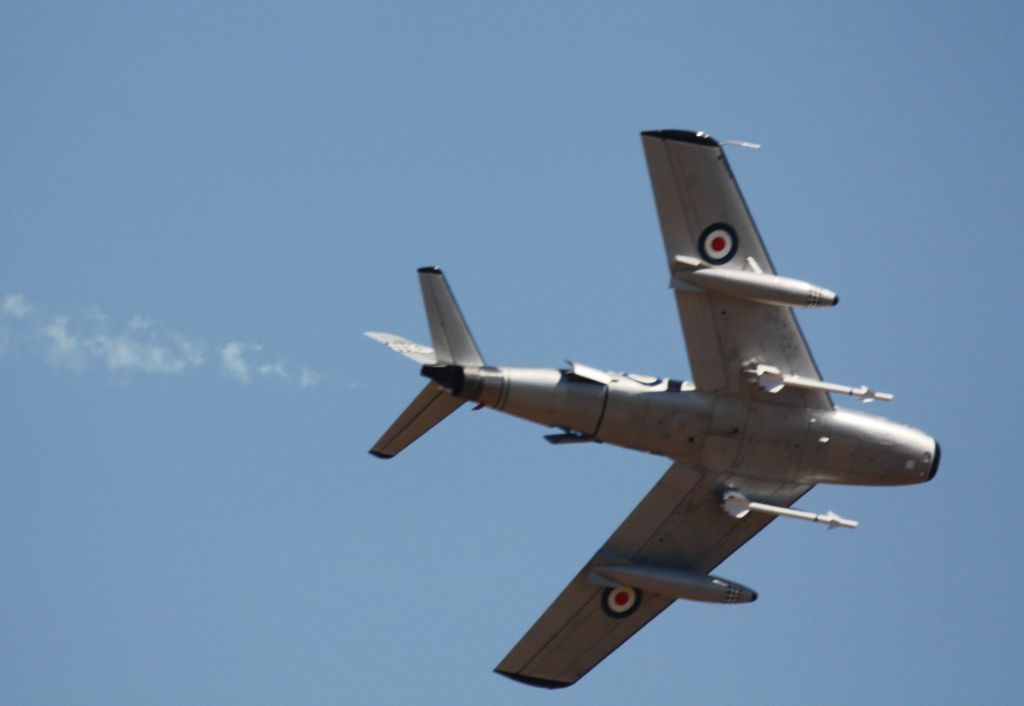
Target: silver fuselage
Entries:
(756, 439)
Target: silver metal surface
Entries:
(431, 406)
(694, 190)
(754, 285)
(452, 340)
(757, 425)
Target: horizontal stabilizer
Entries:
(424, 355)
(432, 405)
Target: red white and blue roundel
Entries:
(620, 601)
(718, 243)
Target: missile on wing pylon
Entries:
(737, 505)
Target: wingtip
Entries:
(378, 454)
(534, 681)
(430, 269)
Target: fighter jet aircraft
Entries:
(753, 432)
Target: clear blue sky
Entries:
(202, 207)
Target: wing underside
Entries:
(679, 524)
(704, 217)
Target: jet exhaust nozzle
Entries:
(450, 377)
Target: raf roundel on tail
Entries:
(753, 432)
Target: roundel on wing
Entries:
(718, 243)
(620, 601)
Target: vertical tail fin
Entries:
(453, 343)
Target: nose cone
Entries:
(935, 461)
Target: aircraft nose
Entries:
(935, 461)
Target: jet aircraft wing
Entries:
(704, 219)
(679, 524)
